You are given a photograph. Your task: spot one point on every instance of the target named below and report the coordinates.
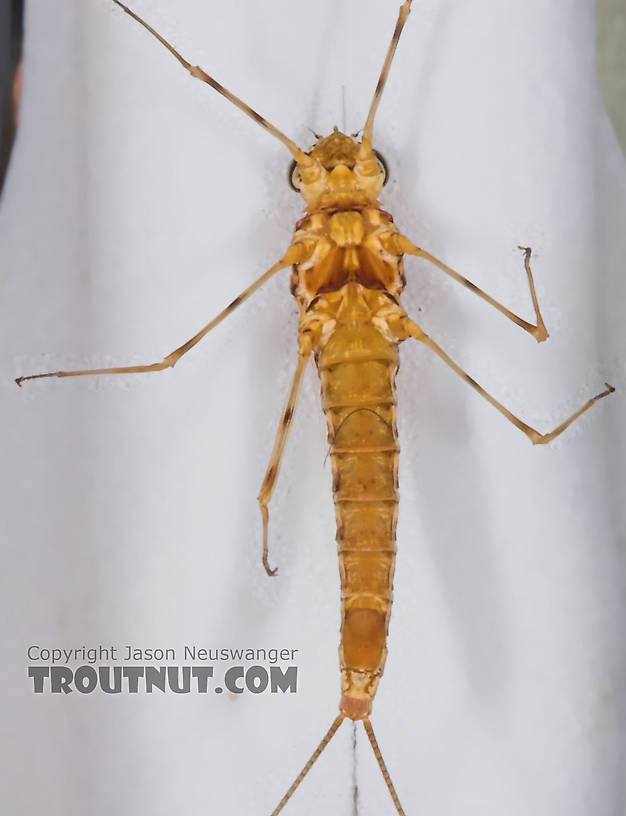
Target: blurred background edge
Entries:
(11, 35)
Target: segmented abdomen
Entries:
(357, 368)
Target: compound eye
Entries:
(383, 165)
(293, 176)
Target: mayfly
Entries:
(346, 257)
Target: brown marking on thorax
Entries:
(347, 245)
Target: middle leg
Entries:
(538, 330)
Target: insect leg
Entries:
(271, 474)
(381, 764)
(295, 254)
(368, 127)
(198, 73)
(538, 331)
(413, 330)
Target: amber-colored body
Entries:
(347, 293)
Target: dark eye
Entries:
(293, 176)
(383, 164)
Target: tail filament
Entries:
(381, 764)
(326, 739)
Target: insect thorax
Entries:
(346, 245)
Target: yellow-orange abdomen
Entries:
(357, 368)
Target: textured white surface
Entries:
(138, 204)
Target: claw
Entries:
(271, 572)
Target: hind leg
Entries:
(271, 474)
(413, 330)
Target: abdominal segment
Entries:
(357, 369)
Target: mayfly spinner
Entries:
(347, 276)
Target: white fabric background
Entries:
(137, 205)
